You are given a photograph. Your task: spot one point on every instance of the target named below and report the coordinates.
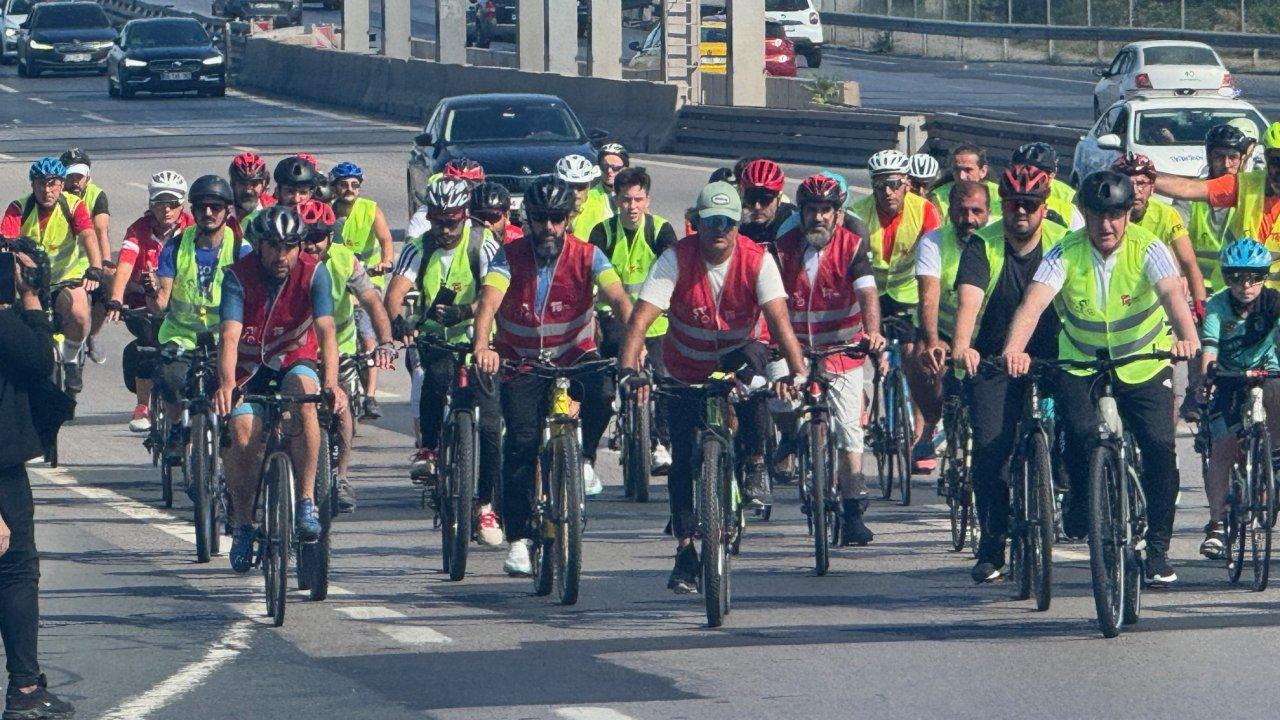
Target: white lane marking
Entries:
(158, 131)
(1064, 554)
(40, 100)
(126, 506)
(367, 612)
(389, 395)
(138, 185)
(1045, 77)
(96, 118)
(245, 148)
(591, 713)
(859, 58)
(394, 625)
(7, 157)
(7, 89)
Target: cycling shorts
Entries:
(266, 380)
(897, 319)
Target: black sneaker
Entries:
(684, 576)
(755, 485)
(346, 496)
(1214, 546)
(1075, 521)
(853, 531)
(174, 447)
(985, 571)
(73, 377)
(370, 410)
(35, 705)
(1159, 572)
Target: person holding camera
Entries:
(26, 363)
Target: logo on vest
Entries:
(830, 293)
(701, 315)
(557, 306)
(1125, 300)
(799, 301)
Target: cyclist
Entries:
(612, 159)
(632, 240)
(277, 331)
(992, 279)
(365, 231)
(249, 178)
(1116, 288)
(62, 227)
(135, 279)
(350, 284)
(189, 275)
(538, 293)
(937, 260)
(714, 285)
(766, 215)
(968, 162)
(832, 300)
(446, 266)
(1226, 149)
(295, 179)
(78, 184)
(590, 208)
(896, 220)
(491, 206)
(1062, 206)
(459, 167)
(1238, 333)
(923, 173)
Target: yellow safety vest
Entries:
(1051, 233)
(949, 249)
(191, 310)
(461, 279)
(595, 209)
(341, 263)
(357, 234)
(1251, 198)
(1163, 221)
(1062, 200)
(896, 274)
(67, 260)
(632, 255)
(1207, 241)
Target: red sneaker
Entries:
(140, 422)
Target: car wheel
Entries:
(221, 91)
(22, 68)
(125, 91)
(111, 87)
(813, 58)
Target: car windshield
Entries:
(714, 35)
(72, 16)
(487, 123)
(1188, 127)
(20, 7)
(168, 34)
(785, 5)
(1178, 55)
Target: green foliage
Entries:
(825, 90)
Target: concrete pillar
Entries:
(606, 39)
(355, 26)
(395, 28)
(531, 34)
(562, 36)
(746, 53)
(451, 31)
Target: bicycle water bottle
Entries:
(1110, 415)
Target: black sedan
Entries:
(64, 37)
(169, 54)
(516, 138)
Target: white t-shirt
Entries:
(929, 254)
(418, 224)
(1157, 265)
(661, 283)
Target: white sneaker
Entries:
(487, 520)
(661, 459)
(518, 563)
(590, 483)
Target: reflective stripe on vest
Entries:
(563, 329)
(357, 234)
(824, 311)
(341, 263)
(192, 311)
(1133, 320)
(1207, 241)
(632, 256)
(67, 259)
(896, 274)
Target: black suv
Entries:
(65, 37)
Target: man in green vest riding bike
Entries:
(95, 200)
(591, 206)
(1116, 289)
(938, 259)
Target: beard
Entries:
(819, 236)
(547, 245)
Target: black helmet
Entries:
(1106, 192)
(293, 171)
(549, 194)
(723, 174)
(1039, 154)
(1227, 136)
(75, 156)
(211, 186)
(490, 197)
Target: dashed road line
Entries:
(138, 185)
(7, 157)
(245, 148)
(97, 118)
(40, 100)
(7, 89)
(158, 131)
(394, 626)
(591, 713)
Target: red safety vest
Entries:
(702, 331)
(564, 327)
(280, 335)
(827, 312)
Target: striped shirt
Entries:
(410, 262)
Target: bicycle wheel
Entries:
(1040, 520)
(637, 460)
(879, 439)
(711, 522)
(1237, 523)
(1019, 550)
(166, 469)
(544, 530)
(1261, 525)
(819, 479)
(568, 509)
(903, 423)
(955, 481)
(1107, 547)
(277, 533)
(460, 484)
(197, 466)
(313, 558)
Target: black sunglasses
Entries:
(209, 207)
(555, 217)
(166, 204)
(1247, 277)
(447, 221)
(717, 224)
(1027, 205)
(890, 184)
(758, 196)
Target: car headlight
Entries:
(215, 60)
(35, 45)
(11, 32)
(102, 45)
(130, 62)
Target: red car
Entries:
(779, 51)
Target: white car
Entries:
(12, 14)
(1165, 67)
(1169, 130)
(803, 26)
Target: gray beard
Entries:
(818, 237)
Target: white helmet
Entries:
(923, 167)
(576, 170)
(889, 161)
(167, 183)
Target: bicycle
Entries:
(452, 495)
(955, 478)
(891, 417)
(816, 459)
(59, 377)
(1251, 499)
(635, 419)
(313, 558)
(559, 511)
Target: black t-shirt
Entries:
(100, 205)
(1005, 298)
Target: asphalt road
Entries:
(133, 628)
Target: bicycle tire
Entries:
(217, 484)
(1019, 527)
(902, 443)
(278, 538)
(638, 467)
(461, 490)
(711, 522)
(570, 511)
(155, 414)
(197, 467)
(819, 476)
(955, 466)
(316, 554)
(1107, 556)
(1237, 525)
(1040, 518)
(1133, 507)
(878, 434)
(544, 532)
(1261, 503)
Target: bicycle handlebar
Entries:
(545, 370)
(1216, 373)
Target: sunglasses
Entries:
(284, 245)
(718, 224)
(166, 204)
(1244, 277)
(1026, 205)
(209, 208)
(613, 168)
(489, 216)
(554, 217)
(447, 221)
(759, 197)
(890, 184)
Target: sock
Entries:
(71, 350)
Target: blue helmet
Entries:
(47, 167)
(346, 170)
(1246, 254)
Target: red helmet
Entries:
(1134, 164)
(464, 168)
(317, 215)
(308, 158)
(763, 174)
(820, 189)
(1024, 182)
(247, 166)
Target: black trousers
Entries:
(612, 333)
(524, 407)
(19, 579)
(439, 368)
(995, 402)
(1145, 410)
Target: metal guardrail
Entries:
(1017, 31)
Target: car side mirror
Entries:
(634, 45)
(1110, 141)
(596, 134)
(423, 139)
(1101, 72)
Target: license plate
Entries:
(76, 57)
(175, 76)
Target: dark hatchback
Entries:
(65, 37)
(517, 138)
(163, 55)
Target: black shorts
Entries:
(898, 320)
